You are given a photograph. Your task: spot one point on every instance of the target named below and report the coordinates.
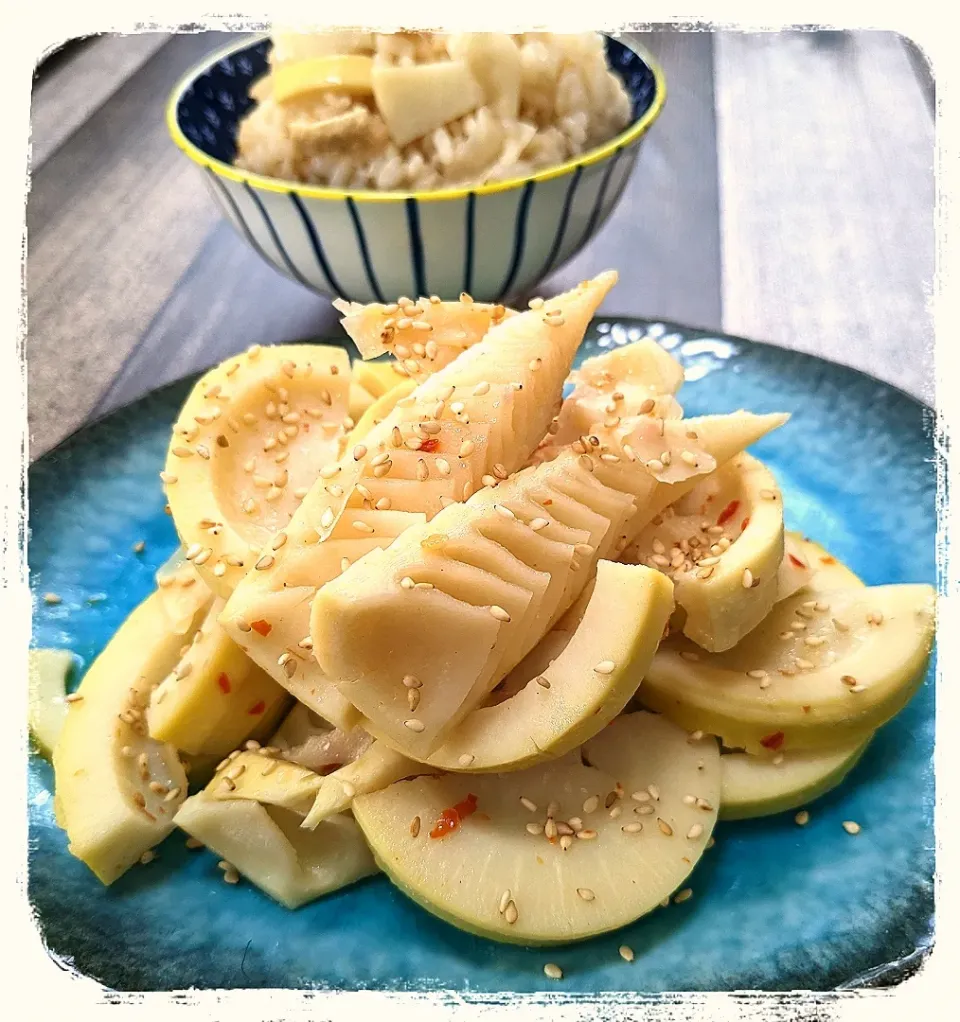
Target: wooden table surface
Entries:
(786, 193)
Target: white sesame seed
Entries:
(632, 828)
(510, 913)
(528, 804)
(499, 613)
(802, 818)
(851, 827)
(414, 725)
(552, 971)
(591, 804)
(685, 895)
(586, 893)
(535, 829)
(586, 834)
(605, 667)
(747, 579)
(695, 831)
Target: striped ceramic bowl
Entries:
(492, 241)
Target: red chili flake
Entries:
(796, 561)
(744, 523)
(806, 709)
(430, 444)
(773, 741)
(447, 824)
(224, 682)
(261, 627)
(305, 426)
(450, 818)
(728, 512)
(828, 560)
(547, 502)
(257, 708)
(467, 807)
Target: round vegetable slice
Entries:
(563, 851)
(819, 670)
(599, 651)
(248, 443)
(764, 785)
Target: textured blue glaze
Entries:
(775, 907)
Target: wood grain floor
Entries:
(786, 193)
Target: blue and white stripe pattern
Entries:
(492, 244)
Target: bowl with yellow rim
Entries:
(492, 241)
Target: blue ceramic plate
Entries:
(775, 907)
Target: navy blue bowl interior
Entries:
(211, 107)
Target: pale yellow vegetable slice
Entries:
(610, 635)
(823, 668)
(117, 788)
(530, 878)
(215, 696)
(375, 769)
(349, 73)
(494, 61)
(415, 100)
(723, 546)
(378, 377)
(267, 845)
(795, 569)
(637, 379)
(48, 672)
(269, 615)
(827, 573)
(253, 777)
(305, 739)
(758, 786)
(248, 443)
(360, 400)
(379, 409)
(454, 326)
(181, 592)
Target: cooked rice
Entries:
(570, 102)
